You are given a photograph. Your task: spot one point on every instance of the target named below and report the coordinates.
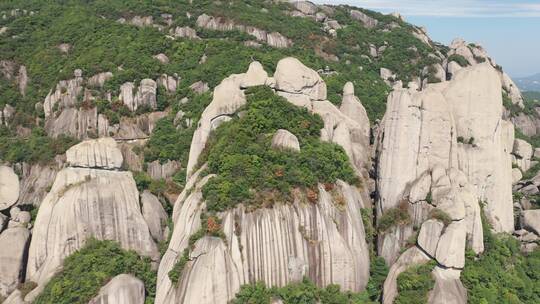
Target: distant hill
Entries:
(531, 83)
(532, 95)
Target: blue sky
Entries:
(508, 29)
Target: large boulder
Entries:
(523, 152)
(285, 140)
(122, 289)
(476, 105)
(13, 250)
(9, 187)
(293, 77)
(98, 153)
(531, 220)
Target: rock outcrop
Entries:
(122, 289)
(366, 20)
(92, 200)
(319, 240)
(284, 139)
(430, 145)
(273, 39)
(143, 96)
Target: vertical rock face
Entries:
(278, 246)
(453, 125)
(145, 96)
(122, 289)
(9, 187)
(87, 201)
(13, 247)
(445, 147)
(475, 97)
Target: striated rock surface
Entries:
(9, 187)
(99, 153)
(157, 170)
(13, 250)
(122, 289)
(277, 246)
(284, 139)
(144, 96)
(87, 201)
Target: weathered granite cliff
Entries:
(322, 241)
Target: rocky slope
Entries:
(265, 150)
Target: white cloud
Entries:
(446, 8)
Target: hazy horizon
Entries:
(508, 30)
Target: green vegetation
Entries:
(462, 61)
(305, 292)
(211, 227)
(531, 95)
(415, 283)
(240, 154)
(172, 142)
(393, 217)
(378, 271)
(438, 214)
(86, 270)
(502, 274)
(37, 147)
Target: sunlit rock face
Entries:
(91, 198)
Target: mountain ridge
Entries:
(258, 152)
